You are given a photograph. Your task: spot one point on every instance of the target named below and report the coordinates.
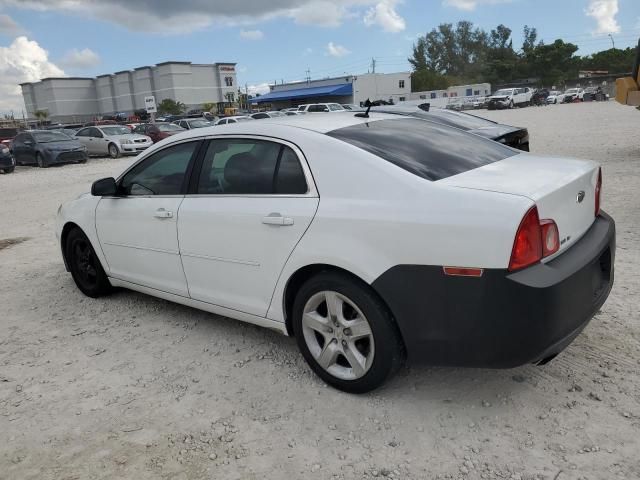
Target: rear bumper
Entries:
(6, 161)
(502, 319)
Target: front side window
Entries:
(83, 133)
(162, 173)
(250, 167)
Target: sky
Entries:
(271, 40)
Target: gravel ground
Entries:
(134, 387)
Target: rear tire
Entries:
(354, 346)
(84, 264)
(8, 169)
(114, 152)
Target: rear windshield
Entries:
(426, 149)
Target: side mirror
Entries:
(104, 187)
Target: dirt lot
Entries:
(133, 387)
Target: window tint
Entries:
(160, 174)
(260, 115)
(427, 149)
(94, 132)
(317, 108)
(83, 133)
(334, 108)
(250, 167)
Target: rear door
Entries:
(250, 202)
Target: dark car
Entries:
(44, 148)
(158, 131)
(516, 137)
(7, 164)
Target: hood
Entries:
(63, 146)
(499, 97)
(128, 136)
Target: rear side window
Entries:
(426, 149)
(250, 167)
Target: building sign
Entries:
(227, 68)
(150, 104)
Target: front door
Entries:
(23, 148)
(137, 229)
(250, 206)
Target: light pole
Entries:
(612, 42)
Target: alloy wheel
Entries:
(85, 263)
(338, 335)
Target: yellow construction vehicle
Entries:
(628, 88)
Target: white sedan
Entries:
(112, 140)
(369, 239)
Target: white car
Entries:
(233, 119)
(510, 98)
(321, 107)
(272, 114)
(554, 96)
(570, 95)
(112, 140)
(367, 238)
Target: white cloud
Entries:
(251, 34)
(384, 15)
(175, 17)
(8, 26)
(336, 50)
(80, 59)
(22, 61)
(307, 51)
(470, 5)
(260, 88)
(604, 12)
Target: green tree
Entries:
(41, 115)
(208, 106)
(171, 107)
(614, 60)
(555, 63)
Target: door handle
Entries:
(277, 219)
(162, 213)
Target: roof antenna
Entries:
(365, 114)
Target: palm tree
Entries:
(41, 115)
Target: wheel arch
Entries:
(64, 234)
(300, 276)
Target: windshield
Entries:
(199, 124)
(428, 150)
(48, 137)
(505, 91)
(169, 127)
(572, 90)
(115, 130)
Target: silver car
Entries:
(112, 140)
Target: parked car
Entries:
(157, 131)
(45, 148)
(572, 95)
(190, 123)
(262, 115)
(233, 119)
(7, 163)
(515, 137)
(350, 106)
(321, 107)
(112, 140)
(553, 97)
(510, 98)
(7, 134)
(365, 238)
(539, 97)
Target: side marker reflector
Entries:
(463, 271)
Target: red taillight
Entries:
(598, 190)
(550, 237)
(527, 247)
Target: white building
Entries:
(440, 98)
(390, 87)
(75, 99)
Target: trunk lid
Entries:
(554, 184)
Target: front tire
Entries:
(41, 161)
(8, 169)
(84, 264)
(346, 333)
(114, 152)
